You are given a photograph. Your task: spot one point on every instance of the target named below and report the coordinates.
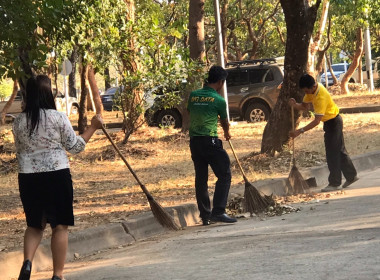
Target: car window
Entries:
(257, 75)
(339, 68)
(244, 77)
(111, 91)
(269, 76)
(237, 78)
(233, 78)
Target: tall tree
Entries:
(197, 50)
(355, 62)
(315, 41)
(300, 17)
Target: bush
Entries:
(5, 89)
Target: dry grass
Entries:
(106, 192)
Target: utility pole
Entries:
(219, 39)
(368, 58)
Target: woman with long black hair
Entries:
(42, 137)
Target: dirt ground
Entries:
(105, 191)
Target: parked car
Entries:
(155, 112)
(108, 97)
(341, 68)
(60, 103)
(253, 87)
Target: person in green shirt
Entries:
(205, 106)
(325, 110)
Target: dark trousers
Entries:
(338, 160)
(206, 151)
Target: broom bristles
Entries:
(254, 202)
(297, 182)
(162, 216)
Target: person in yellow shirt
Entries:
(325, 110)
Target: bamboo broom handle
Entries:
(145, 190)
(237, 160)
(293, 131)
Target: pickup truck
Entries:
(60, 103)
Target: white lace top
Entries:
(45, 149)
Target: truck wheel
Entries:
(257, 112)
(168, 118)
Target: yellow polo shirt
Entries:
(322, 103)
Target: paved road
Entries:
(337, 238)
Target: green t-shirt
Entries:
(205, 105)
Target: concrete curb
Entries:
(142, 226)
(364, 109)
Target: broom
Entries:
(296, 181)
(158, 211)
(254, 202)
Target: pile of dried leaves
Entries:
(354, 87)
(262, 163)
(235, 208)
(281, 207)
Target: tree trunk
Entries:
(82, 119)
(335, 80)
(25, 65)
(355, 62)
(316, 41)
(223, 17)
(132, 96)
(300, 19)
(196, 29)
(72, 76)
(9, 103)
(197, 51)
(360, 72)
(107, 79)
(95, 91)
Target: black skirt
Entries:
(47, 197)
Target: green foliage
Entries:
(346, 17)
(162, 59)
(6, 88)
(264, 20)
(32, 27)
(98, 29)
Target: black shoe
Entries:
(347, 183)
(224, 218)
(55, 278)
(26, 270)
(206, 222)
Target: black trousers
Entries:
(338, 160)
(206, 150)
